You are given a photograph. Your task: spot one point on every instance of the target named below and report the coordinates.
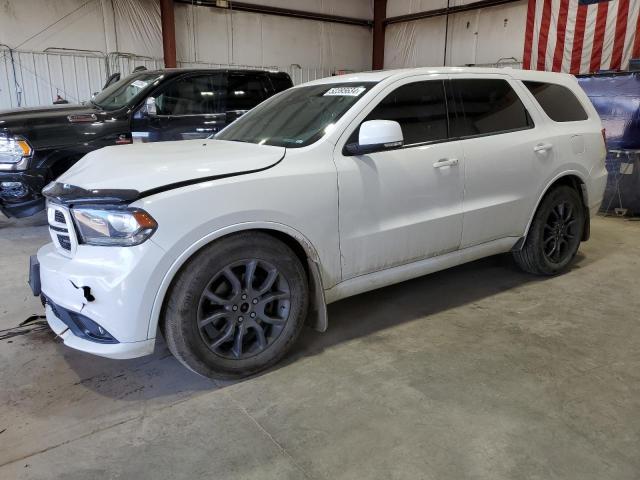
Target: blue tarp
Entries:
(617, 100)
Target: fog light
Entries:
(91, 329)
(13, 189)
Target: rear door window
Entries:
(558, 102)
(280, 81)
(485, 107)
(245, 91)
(419, 108)
(193, 95)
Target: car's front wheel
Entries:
(237, 306)
(555, 233)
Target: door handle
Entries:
(446, 162)
(542, 147)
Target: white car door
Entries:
(503, 151)
(402, 205)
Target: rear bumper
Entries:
(595, 193)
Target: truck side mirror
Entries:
(150, 107)
(113, 78)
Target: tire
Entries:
(559, 223)
(212, 329)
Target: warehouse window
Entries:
(485, 107)
(558, 102)
(420, 110)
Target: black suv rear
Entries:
(39, 144)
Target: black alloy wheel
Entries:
(244, 308)
(236, 307)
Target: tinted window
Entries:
(420, 110)
(199, 95)
(557, 101)
(485, 106)
(126, 91)
(245, 91)
(297, 117)
(280, 81)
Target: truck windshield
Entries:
(296, 117)
(125, 91)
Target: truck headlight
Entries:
(13, 150)
(112, 226)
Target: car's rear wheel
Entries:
(237, 306)
(555, 233)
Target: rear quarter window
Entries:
(557, 101)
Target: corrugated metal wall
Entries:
(37, 78)
(483, 37)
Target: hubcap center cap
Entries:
(244, 308)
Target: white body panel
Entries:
(364, 221)
(397, 206)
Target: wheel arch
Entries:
(301, 246)
(572, 179)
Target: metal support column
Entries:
(168, 33)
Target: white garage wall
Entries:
(121, 34)
(213, 35)
(362, 9)
(483, 36)
(403, 7)
(131, 26)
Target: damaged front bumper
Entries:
(95, 302)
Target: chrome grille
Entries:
(61, 229)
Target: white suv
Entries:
(326, 190)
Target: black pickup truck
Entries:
(39, 144)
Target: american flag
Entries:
(581, 36)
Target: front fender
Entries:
(317, 308)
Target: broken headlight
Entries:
(122, 227)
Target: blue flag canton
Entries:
(591, 2)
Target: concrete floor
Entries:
(477, 372)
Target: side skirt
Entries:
(401, 273)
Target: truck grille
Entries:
(61, 229)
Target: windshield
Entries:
(124, 91)
(297, 117)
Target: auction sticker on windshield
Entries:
(140, 84)
(344, 91)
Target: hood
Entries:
(18, 116)
(57, 125)
(154, 167)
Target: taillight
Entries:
(604, 144)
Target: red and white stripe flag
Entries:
(581, 36)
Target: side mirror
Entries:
(375, 136)
(111, 80)
(150, 107)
